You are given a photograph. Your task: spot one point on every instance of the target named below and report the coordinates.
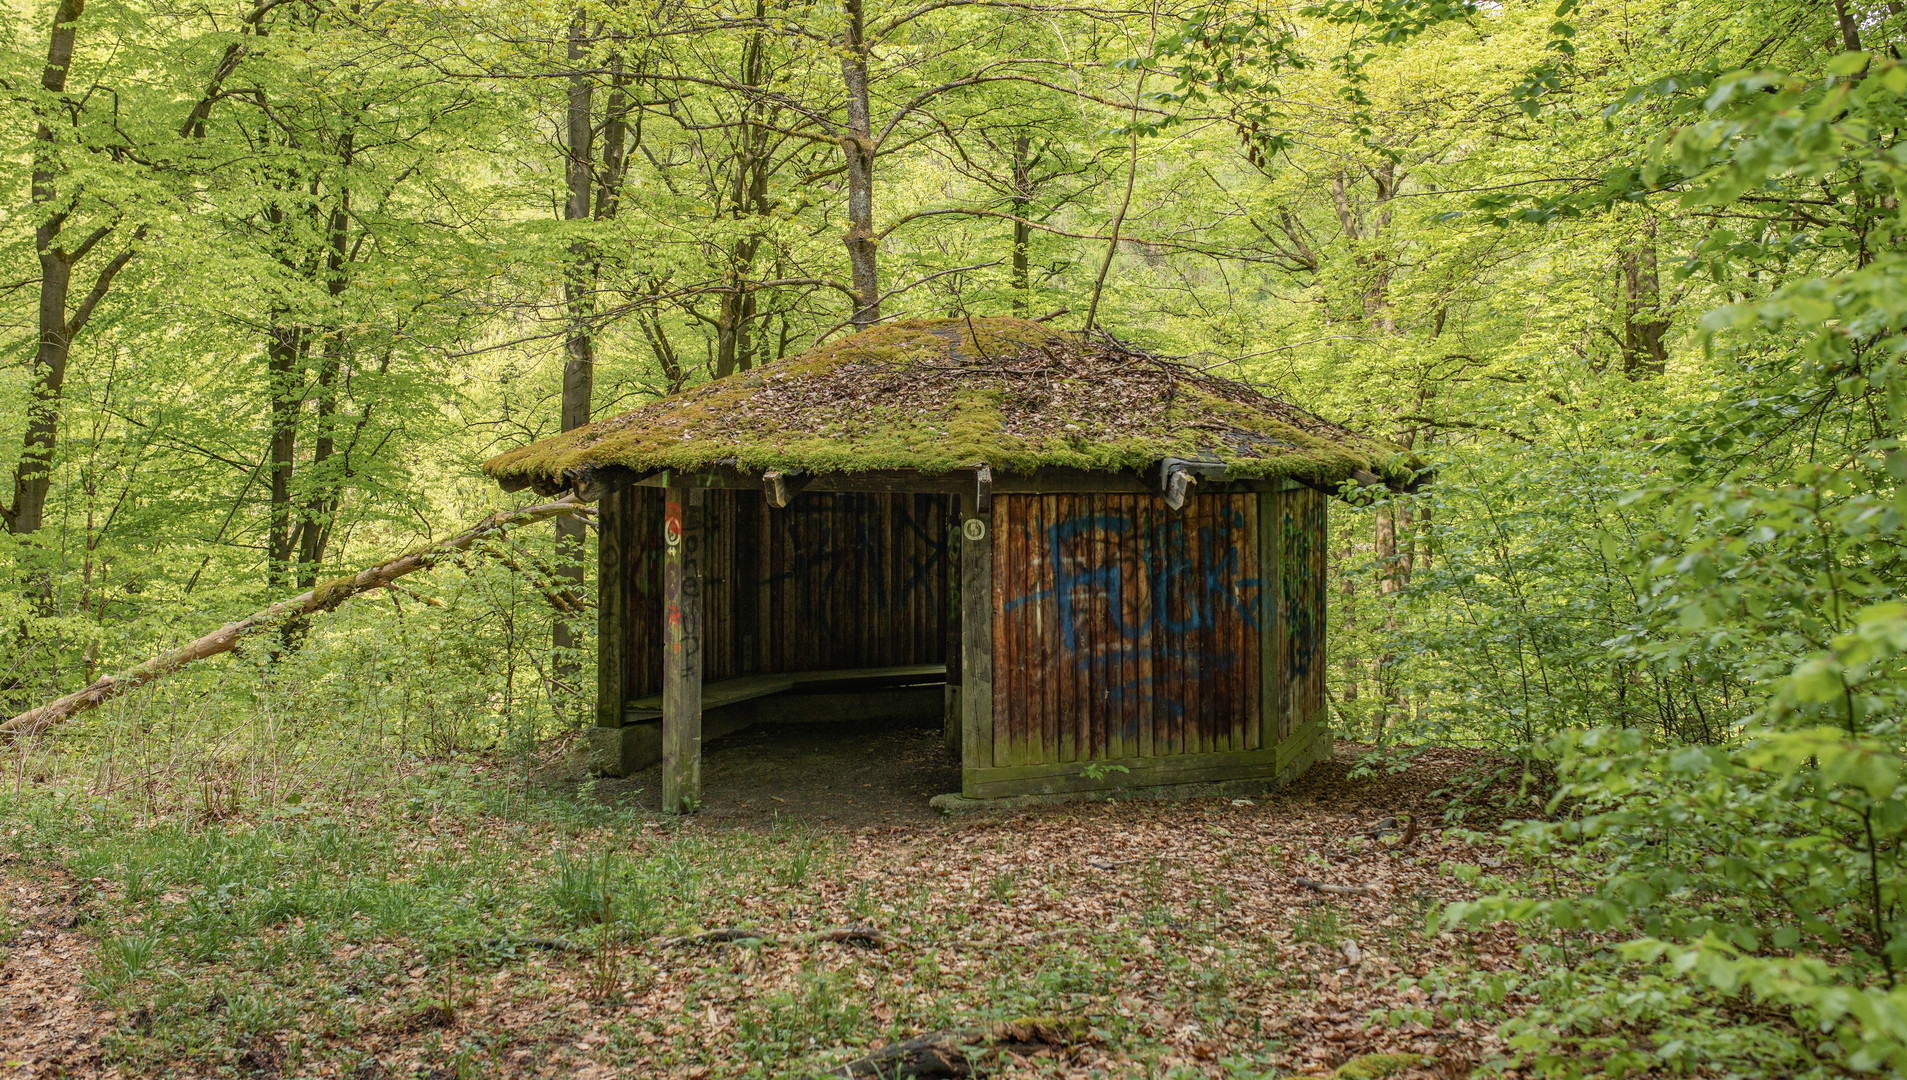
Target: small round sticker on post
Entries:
(974, 529)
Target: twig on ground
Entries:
(727, 935)
(1337, 890)
(942, 1055)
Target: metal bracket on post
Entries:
(982, 488)
(1177, 478)
(781, 487)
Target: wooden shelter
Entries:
(1103, 568)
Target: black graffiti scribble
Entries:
(1303, 586)
(841, 537)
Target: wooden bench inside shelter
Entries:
(864, 695)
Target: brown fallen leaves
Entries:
(49, 1023)
(1219, 938)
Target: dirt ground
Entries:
(855, 776)
(50, 1024)
(826, 775)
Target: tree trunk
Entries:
(1347, 592)
(1850, 28)
(284, 365)
(858, 145)
(579, 347)
(321, 507)
(1022, 283)
(1644, 327)
(32, 476)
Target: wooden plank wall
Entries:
(1301, 581)
(830, 581)
(1124, 629)
(635, 516)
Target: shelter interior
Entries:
(1073, 631)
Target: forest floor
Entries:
(460, 923)
(827, 775)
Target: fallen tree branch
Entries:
(864, 935)
(1337, 890)
(942, 1055)
(323, 597)
(414, 595)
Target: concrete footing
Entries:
(1321, 748)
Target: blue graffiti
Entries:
(1190, 578)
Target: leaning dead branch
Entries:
(324, 597)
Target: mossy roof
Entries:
(938, 395)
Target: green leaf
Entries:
(1847, 63)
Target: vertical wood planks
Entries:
(1059, 725)
(949, 622)
(1005, 717)
(612, 606)
(642, 659)
(1301, 570)
(682, 591)
(831, 581)
(976, 643)
(1126, 629)
(1270, 672)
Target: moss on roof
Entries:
(936, 395)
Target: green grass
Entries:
(445, 915)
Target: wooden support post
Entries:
(976, 644)
(682, 559)
(955, 721)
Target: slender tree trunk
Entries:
(1644, 326)
(1347, 592)
(579, 347)
(32, 476)
(745, 198)
(1023, 192)
(284, 366)
(1125, 204)
(321, 507)
(858, 146)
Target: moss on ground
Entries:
(1377, 1066)
(936, 395)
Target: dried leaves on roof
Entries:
(940, 395)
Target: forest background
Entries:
(275, 278)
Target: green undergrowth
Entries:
(397, 920)
(215, 931)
